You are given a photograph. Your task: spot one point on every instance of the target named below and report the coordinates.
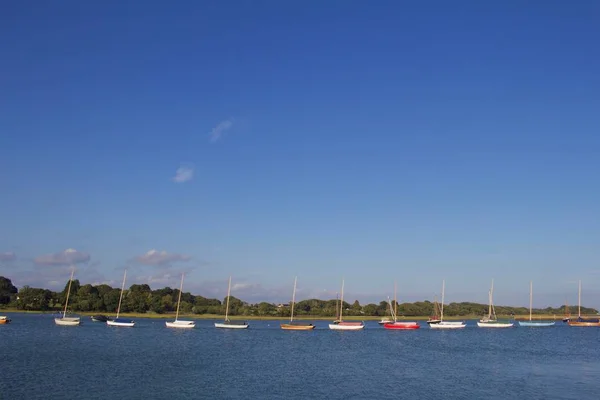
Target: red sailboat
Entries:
(401, 325)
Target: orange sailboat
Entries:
(583, 321)
(296, 326)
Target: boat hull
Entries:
(434, 321)
(535, 323)
(584, 324)
(402, 325)
(448, 325)
(180, 324)
(294, 327)
(117, 322)
(4, 320)
(495, 324)
(67, 321)
(229, 325)
(347, 326)
(99, 318)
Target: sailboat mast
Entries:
(293, 300)
(490, 300)
(530, 298)
(68, 292)
(227, 302)
(179, 299)
(342, 301)
(579, 301)
(442, 308)
(121, 296)
(395, 301)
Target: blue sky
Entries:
(372, 141)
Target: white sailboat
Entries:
(491, 321)
(227, 323)
(446, 324)
(339, 324)
(64, 320)
(530, 322)
(180, 323)
(121, 321)
(386, 319)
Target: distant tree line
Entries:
(142, 299)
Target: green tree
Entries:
(8, 291)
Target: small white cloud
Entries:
(67, 257)
(184, 173)
(8, 256)
(220, 129)
(155, 257)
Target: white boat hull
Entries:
(448, 325)
(494, 324)
(125, 324)
(340, 327)
(536, 323)
(180, 324)
(230, 326)
(67, 321)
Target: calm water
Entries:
(40, 360)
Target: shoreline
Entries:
(280, 318)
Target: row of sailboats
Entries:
(435, 322)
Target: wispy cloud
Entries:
(67, 257)
(155, 257)
(184, 173)
(8, 256)
(219, 130)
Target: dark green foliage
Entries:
(142, 299)
(8, 291)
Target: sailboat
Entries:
(567, 316)
(4, 320)
(491, 321)
(339, 324)
(64, 320)
(446, 324)
(121, 321)
(530, 322)
(387, 320)
(400, 325)
(180, 323)
(583, 321)
(394, 323)
(435, 318)
(296, 326)
(227, 323)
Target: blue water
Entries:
(40, 360)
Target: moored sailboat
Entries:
(180, 323)
(64, 320)
(435, 318)
(583, 322)
(395, 324)
(446, 324)
(339, 324)
(296, 326)
(227, 323)
(121, 321)
(4, 320)
(567, 316)
(531, 322)
(491, 321)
